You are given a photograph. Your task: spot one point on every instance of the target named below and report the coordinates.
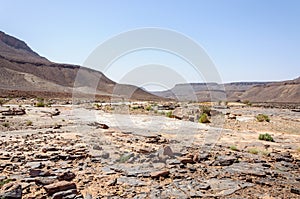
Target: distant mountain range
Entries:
(25, 73)
(284, 91)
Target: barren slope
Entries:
(286, 91)
(22, 70)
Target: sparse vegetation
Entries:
(97, 106)
(124, 158)
(2, 101)
(247, 102)
(206, 110)
(298, 149)
(262, 118)
(234, 148)
(253, 151)
(3, 182)
(5, 124)
(222, 103)
(29, 123)
(149, 108)
(40, 104)
(169, 114)
(261, 152)
(266, 137)
(265, 153)
(136, 107)
(204, 118)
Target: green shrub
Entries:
(253, 151)
(247, 102)
(265, 153)
(234, 148)
(40, 99)
(2, 101)
(262, 118)
(266, 137)
(135, 107)
(206, 110)
(40, 104)
(29, 123)
(149, 108)
(3, 182)
(6, 124)
(124, 158)
(169, 114)
(204, 118)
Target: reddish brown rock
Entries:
(157, 174)
(59, 186)
(68, 176)
(185, 160)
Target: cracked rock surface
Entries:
(148, 156)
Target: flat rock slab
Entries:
(224, 187)
(11, 191)
(59, 186)
(224, 161)
(257, 170)
(131, 181)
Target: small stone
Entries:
(105, 155)
(185, 160)
(168, 151)
(97, 147)
(204, 186)
(200, 157)
(157, 174)
(172, 162)
(34, 165)
(295, 191)
(231, 116)
(45, 180)
(224, 161)
(112, 182)
(38, 172)
(65, 194)
(68, 176)
(88, 196)
(102, 126)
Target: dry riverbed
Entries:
(78, 152)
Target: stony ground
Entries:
(73, 155)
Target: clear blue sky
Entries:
(247, 39)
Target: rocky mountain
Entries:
(24, 72)
(285, 91)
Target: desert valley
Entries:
(65, 140)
